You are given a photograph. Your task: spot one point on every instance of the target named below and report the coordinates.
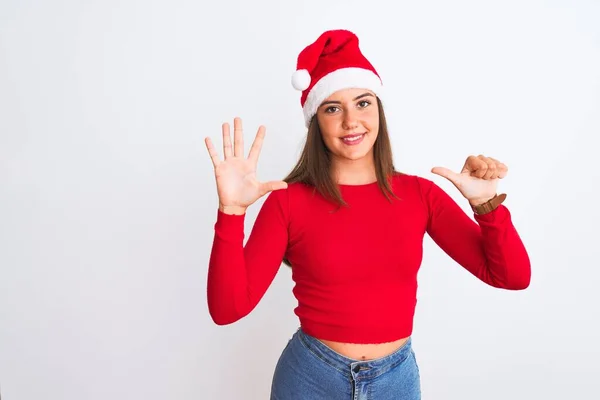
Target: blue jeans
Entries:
(309, 369)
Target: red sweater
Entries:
(370, 251)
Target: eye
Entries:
(364, 103)
(330, 110)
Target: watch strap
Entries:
(489, 205)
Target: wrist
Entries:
(489, 205)
(232, 210)
(478, 202)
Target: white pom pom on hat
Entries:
(301, 79)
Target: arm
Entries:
(238, 275)
(490, 249)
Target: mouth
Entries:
(352, 140)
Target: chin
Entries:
(354, 155)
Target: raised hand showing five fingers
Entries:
(237, 186)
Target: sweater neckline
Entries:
(362, 185)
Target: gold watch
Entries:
(489, 205)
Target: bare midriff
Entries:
(364, 352)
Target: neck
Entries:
(354, 172)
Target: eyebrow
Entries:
(354, 99)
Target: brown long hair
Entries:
(313, 167)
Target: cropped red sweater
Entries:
(373, 248)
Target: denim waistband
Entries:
(350, 366)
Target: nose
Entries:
(350, 120)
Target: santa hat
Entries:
(333, 62)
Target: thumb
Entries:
(273, 185)
(445, 172)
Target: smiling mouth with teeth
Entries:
(352, 139)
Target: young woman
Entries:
(351, 227)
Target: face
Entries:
(349, 123)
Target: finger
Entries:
(501, 168)
(501, 171)
(238, 138)
(491, 169)
(472, 165)
(257, 144)
(445, 173)
(227, 151)
(267, 187)
(212, 152)
(477, 166)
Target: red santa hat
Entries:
(333, 62)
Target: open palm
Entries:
(237, 185)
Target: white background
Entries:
(108, 199)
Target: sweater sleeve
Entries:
(489, 248)
(238, 275)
